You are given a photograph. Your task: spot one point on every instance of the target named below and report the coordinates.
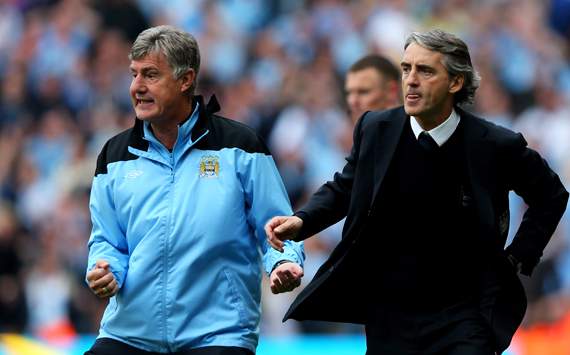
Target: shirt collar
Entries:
(441, 133)
(184, 129)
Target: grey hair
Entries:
(456, 60)
(180, 49)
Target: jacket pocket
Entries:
(238, 296)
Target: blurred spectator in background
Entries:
(372, 84)
(13, 311)
(48, 290)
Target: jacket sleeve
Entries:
(531, 178)
(107, 240)
(266, 197)
(330, 203)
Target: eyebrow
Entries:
(425, 66)
(419, 66)
(144, 69)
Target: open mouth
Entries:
(144, 102)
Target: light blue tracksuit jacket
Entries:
(183, 233)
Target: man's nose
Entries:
(137, 84)
(351, 100)
(412, 78)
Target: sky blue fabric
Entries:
(183, 232)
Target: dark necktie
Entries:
(427, 142)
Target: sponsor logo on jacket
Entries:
(133, 174)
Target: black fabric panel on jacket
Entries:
(227, 133)
(222, 133)
(117, 149)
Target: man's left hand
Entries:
(285, 277)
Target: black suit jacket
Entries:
(498, 160)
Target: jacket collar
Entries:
(137, 141)
(480, 160)
(206, 111)
(389, 132)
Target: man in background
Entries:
(372, 84)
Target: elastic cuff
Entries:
(280, 262)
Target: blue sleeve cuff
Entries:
(293, 251)
(115, 267)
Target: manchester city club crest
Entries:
(209, 166)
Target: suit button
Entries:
(369, 213)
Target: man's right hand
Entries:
(102, 281)
(282, 228)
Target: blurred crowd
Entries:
(277, 65)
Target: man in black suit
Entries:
(422, 262)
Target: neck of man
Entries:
(430, 120)
(166, 131)
(165, 135)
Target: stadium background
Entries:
(277, 65)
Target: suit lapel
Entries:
(479, 159)
(389, 133)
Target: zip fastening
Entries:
(170, 164)
(168, 235)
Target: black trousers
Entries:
(454, 331)
(107, 346)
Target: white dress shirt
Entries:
(441, 133)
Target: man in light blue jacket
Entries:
(178, 205)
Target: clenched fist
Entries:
(102, 281)
(285, 277)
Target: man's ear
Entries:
(394, 92)
(187, 80)
(456, 83)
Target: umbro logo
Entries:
(133, 174)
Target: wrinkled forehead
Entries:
(153, 59)
(418, 55)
